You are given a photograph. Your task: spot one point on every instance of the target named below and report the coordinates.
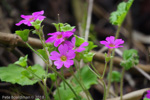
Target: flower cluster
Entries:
(67, 49)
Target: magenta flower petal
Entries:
(58, 41)
(38, 13)
(68, 63)
(31, 18)
(69, 44)
(64, 57)
(50, 39)
(71, 54)
(54, 55)
(112, 43)
(58, 64)
(81, 47)
(63, 49)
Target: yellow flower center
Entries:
(63, 58)
(111, 45)
(31, 18)
(59, 36)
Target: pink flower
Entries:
(148, 94)
(72, 45)
(112, 43)
(64, 57)
(31, 18)
(59, 37)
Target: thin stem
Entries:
(116, 88)
(104, 85)
(117, 32)
(111, 63)
(57, 88)
(85, 91)
(121, 84)
(104, 96)
(65, 82)
(35, 52)
(62, 72)
(45, 91)
(104, 70)
(95, 70)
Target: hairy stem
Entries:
(121, 84)
(111, 64)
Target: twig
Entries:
(35, 43)
(88, 19)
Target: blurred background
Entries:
(135, 31)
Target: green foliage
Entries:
(16, 74)
(90, 46)
(52, 76)
(37, 24)
(130, 59)
(146, 99)
(116, 76)
(22, 61)
(88, 57)
(117, 17)
(63, 27)
(23, 34)
(79, 41)
(43, 53)
(107, 59)
(67, 27)
(88, 79)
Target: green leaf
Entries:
(116, 76)
(117, 17)
(37, 24)
(22, 61)
(52, 76)
(67, 27)
(87, 57)
(146, 98)
(43, 53)
(130, 59)
(58, 26)
(90, 46)
(79, 41)
(23, 34)
(88, 79)
(16, 74)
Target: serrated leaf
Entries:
(23, 34)
(130, 59)
(43, 53)
(16, 74)
(22, 61)
(79, 41)
(116, 76)
(37, 24)
(117, 17)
